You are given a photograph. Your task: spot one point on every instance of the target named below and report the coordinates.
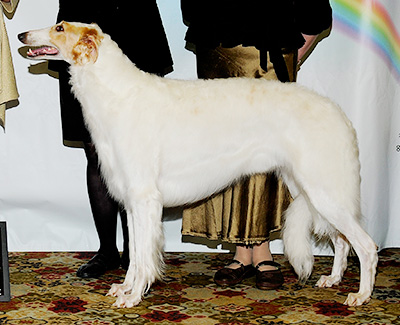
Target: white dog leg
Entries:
(367, 253)
(342, 248)
(146, 264)
(363, 245)
(343, 216)
(118, 289)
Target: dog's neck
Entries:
(112, 71)
(100, 86)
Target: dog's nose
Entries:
(22, 37)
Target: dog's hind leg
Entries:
(146, 241)
(348, 225)
(367, 254)
(341, 247)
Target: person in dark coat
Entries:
(255, 39)
(137, 28)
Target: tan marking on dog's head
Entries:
(77, 43)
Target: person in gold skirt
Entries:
(254, 39)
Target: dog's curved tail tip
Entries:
(296, 237)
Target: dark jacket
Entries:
(260, 23)
(135, 25)
(270, 26)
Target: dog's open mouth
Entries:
(42, 51)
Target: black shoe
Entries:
(229, 277)
(270, 279)
(98, 265)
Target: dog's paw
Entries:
(118, 290)
(327, 281)
(357, 299)
(127, 301)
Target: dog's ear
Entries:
(86, 50)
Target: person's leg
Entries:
(268, 274)
(253, 254)
(125, 234)
(104, 208)
(262, 253)
(257, 255)
(105, 214)
(242, 62)
(243, 254)
(240, 268)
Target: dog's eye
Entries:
(59, 28)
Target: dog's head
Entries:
(75, 43)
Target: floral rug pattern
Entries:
(45, 290)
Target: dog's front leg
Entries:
(118, 289)
(146, 241)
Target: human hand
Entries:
(310, 40)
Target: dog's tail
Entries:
(296, 235)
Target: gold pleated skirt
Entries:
(247, 212)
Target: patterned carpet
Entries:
(45, 290)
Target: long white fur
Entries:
(165, 142)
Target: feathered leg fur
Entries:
(146, 265)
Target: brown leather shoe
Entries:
(229, 277)
(271, 279)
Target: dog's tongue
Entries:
(47, 50)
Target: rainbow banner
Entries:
(369, 22)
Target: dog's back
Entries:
(249, 125)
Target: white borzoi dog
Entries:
(165, 142)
